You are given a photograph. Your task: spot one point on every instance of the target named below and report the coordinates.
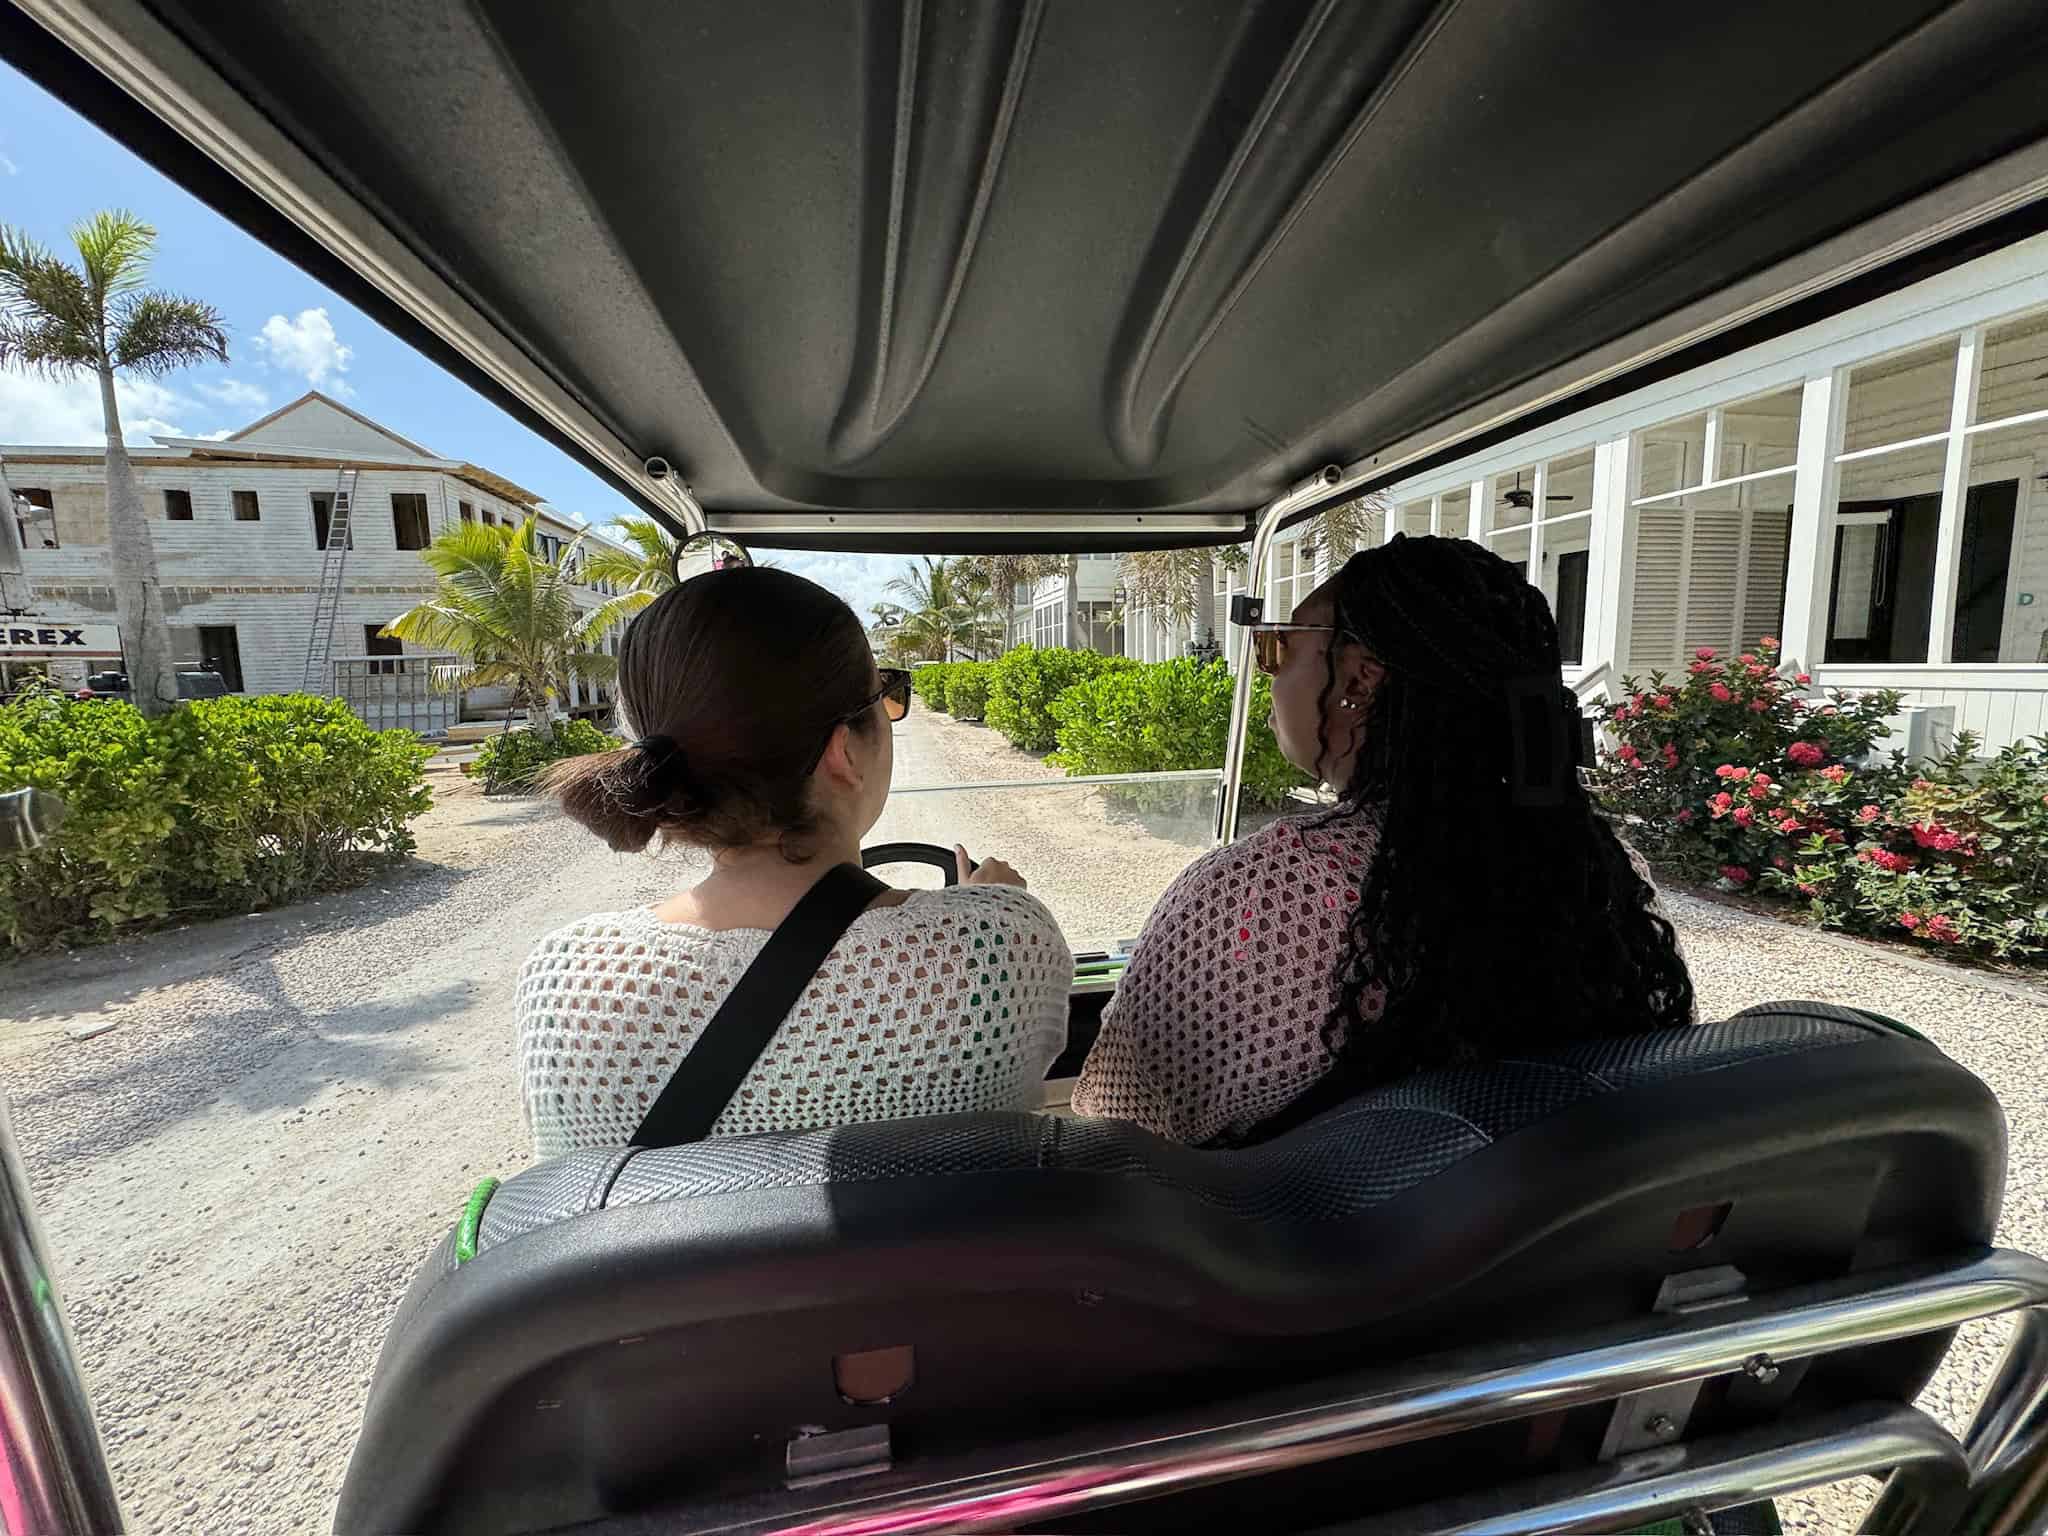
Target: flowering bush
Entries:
(1733, 776)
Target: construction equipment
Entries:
(327, 599)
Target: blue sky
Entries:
(286, 334)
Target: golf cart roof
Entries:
(1052, 274)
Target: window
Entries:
(37, 531)
(489, 520)
(220, 650)
(379, 644)
(1893, 509)
(248, 509)
(1570, 605)
(467, 512)
(409, 520)
(323, 512)
(178, 506)
(1713, 517)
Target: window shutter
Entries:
(1659, 592)
(1712, 578)
(1763, 596)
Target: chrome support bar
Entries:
(1472, 1388)
(1326, 485)
(53, 1471)
(2008, 1440)
(1717, 1473)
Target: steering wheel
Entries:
(914, 853)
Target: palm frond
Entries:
(45, 347)
(114, 247)
(155, 333)
(50, 311)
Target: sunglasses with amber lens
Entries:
(1269, 642)
(894, 694)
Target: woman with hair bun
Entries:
(765, 741)
(1463, 901)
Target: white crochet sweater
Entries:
(955, 1000)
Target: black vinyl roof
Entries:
(1023, 272)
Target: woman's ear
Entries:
(840, 764)
(1358, 678)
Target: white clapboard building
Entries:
(241, 527)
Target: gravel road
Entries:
(283, 1112)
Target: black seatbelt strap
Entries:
(712, 1070)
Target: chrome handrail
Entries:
(53, 1471)
(1468, 1389)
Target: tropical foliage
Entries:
(220, 806)
(642, 571)
(511, 614)
(1732, 775)
(1169, 716)
(1024, 682)
(98, 317)
(509, 762)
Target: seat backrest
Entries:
(638, 1324)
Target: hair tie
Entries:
(662, 765)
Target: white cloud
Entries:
(237, 393)
(9, 167)
(857, 578)
(35, 410)
(308, 347)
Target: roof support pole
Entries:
(1319, 489)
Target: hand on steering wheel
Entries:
(956, 865)
(987, 872)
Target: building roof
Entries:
(331, 403)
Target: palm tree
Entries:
(510, 613)
(646, 571)
(57, 320)
(947, 607)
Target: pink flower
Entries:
(1747, 659)
(1720, 805)
(1909, 921)
(1808, 890)
(1806, 754)
(1760, 790)
(1803, 678)
(1621, 711)
(1781, 862)
(1697, 667)
(1789, 825)
(1662, 701)
(1670, 755)
(1943, 928)
(1763, 779)
(1891, 863)
(1735, 874)
(1869, 813)
(1705, 653)
(1834, 773)
(1767, 643)
(1627, 754)
(1720, 691)
(1730, 771)
(1744, 816)
(1923, 784)
(1685, 817)
(1758, 706)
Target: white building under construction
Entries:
(242, 532)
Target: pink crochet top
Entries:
(1218, 1021)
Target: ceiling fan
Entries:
(1517, 497)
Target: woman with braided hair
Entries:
(1463, 900)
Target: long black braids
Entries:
(1500, 914)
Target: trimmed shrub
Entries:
(1733, 778)
(509, 762)
(967, 689)
(1169, 716)
(222, 805)
(1024, 683)
(928, 682)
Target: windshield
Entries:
(293, 651)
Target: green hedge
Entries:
(1168, 716)
(928, 682)
(967, 685)
(1024, 683)
(221, 806)
(508, 762)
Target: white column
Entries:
(1436, 514)
(1810, 561)
(1542, 489)
(1611, 557)
(1955, 491)
(1482, 503)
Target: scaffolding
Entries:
(410, 693)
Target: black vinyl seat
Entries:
(642, 1327)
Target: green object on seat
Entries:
(472, 1218)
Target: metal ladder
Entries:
(327, 600)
